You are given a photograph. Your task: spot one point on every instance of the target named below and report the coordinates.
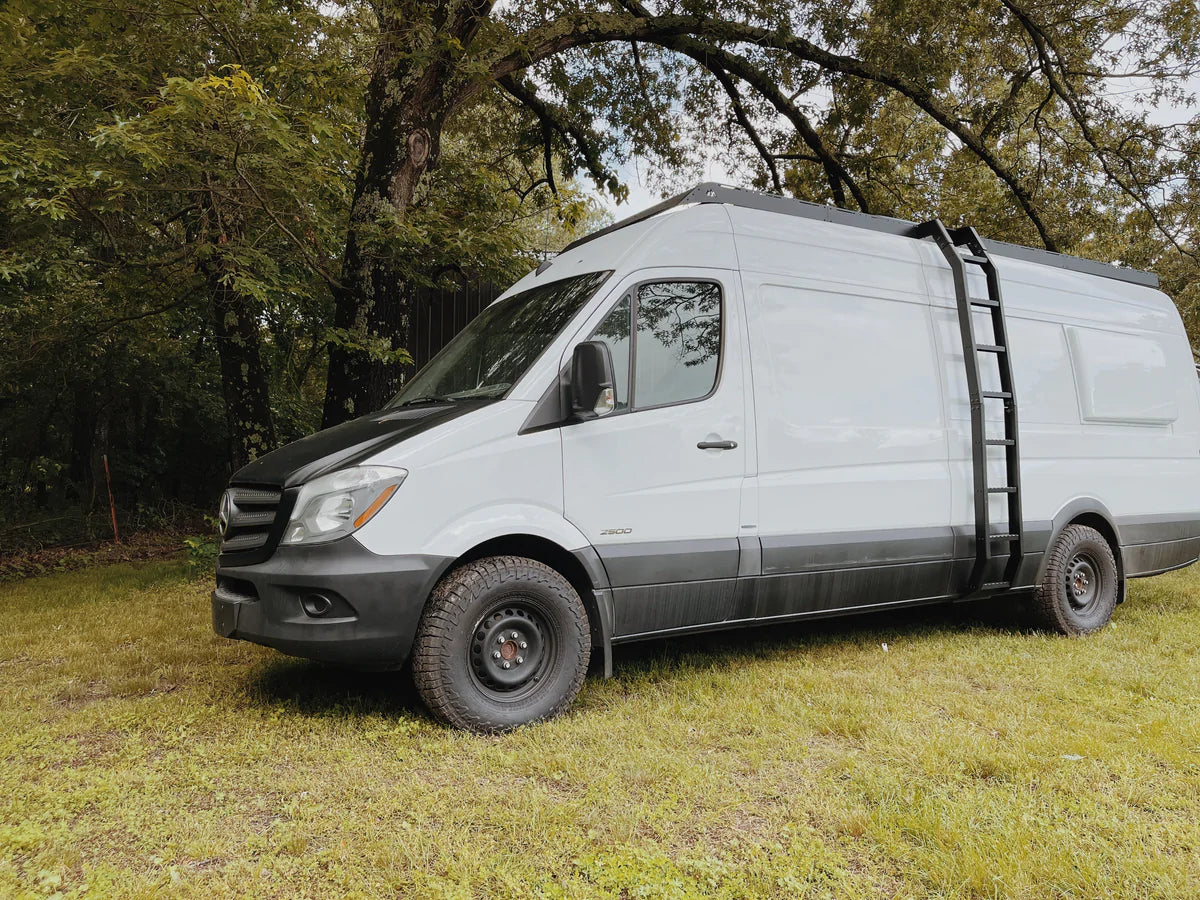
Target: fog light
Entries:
(316, 605)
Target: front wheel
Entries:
(503, 641)
(1079, 590)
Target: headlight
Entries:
(335, 505)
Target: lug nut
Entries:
(508, 665)
(523, 645)
(520, 659)
(495, 654)
(516, 636)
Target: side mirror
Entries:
(592, 380)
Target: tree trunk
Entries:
(244, 381)
(406, 110)
(245, 385)
(372, 304)
(401, 143)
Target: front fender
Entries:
(486, 523)
(489, 523)
(493, 522)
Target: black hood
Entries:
(346, 444)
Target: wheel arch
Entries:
(582, 568)
(1094, 514)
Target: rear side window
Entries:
(1122, 378)
(665, 339)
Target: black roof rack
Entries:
(711, 192)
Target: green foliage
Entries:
(202, 552)
(115, 125)
(178, 183)
(167, 171)
(1067, 123)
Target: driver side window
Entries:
(665, 340)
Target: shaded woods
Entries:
(216, 216)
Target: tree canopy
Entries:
(174, 184)
(215, 215)
(1032, 119)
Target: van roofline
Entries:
(712, 192)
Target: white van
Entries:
(734, 409)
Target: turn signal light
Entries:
(376, 505)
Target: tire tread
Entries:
(451, 601)
(1047, 603)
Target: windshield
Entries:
(494, 350)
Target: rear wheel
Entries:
(1080, 587)
(503, 641)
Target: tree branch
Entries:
(548, 157)
(1053, 66)
(1005, 106)
(158, 310)
(312, 261)
(556, 119)
(739, 113)
(583, 29)
(729, 62)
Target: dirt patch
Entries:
(142, 546)
(93, 746)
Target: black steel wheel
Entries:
(1079, 590)
(513, 649)
(1083, 581)
(503, 641)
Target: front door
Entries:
(656, 485)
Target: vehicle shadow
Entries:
(313, 688)
(317, 689)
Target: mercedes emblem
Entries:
(225, 516)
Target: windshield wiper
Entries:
(430, 399)
(483, 392)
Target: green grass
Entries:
(142, 756)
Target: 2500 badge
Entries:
(616, 531)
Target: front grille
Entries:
(248, 515)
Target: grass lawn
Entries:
(143, 756)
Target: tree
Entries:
(147, 194)
(927, 107)
(417, 212)
(175, 177)
(224, 153)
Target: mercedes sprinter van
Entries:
(733, 409)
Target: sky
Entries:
(635, 174)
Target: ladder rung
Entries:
(1002, 490)
(983, 301)
(996, 395)
(1002, 537)
(991, 585)
(1000, 442)
(979, 260)
(991, 348)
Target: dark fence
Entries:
(438, 315)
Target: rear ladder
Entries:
(988, 543)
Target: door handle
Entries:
(716, 445)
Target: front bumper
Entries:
(374, 602)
